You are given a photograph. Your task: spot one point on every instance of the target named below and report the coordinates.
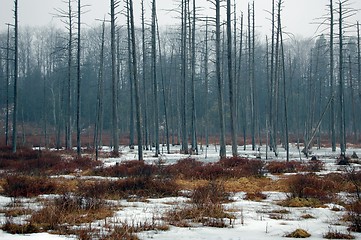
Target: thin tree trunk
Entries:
(165, 100)
(146, 133)
(154, 78)
(193, 57)
(184, 77)
(230, 80)
(7, 86)
(78, 143)
(136, 87)
(222, 151)
(341, 83)
(333, 133)
(99, 110)
(16, 51)
(115, 136)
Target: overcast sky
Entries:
(297, 15)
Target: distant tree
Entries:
(222, 151)
(99, 107)
(154, 77)
(115, 136)
(231, 81)
(78, 127)
(7, 82)
(16, 52)
(136, 87)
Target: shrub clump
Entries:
(310, 186)
(27, 186)
(337, 235)
(127, 169)
(298, 233)
(354, 216)
(14, 228)
(206, 208)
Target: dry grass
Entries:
(298, 233)
(70, 210)
(301, 202)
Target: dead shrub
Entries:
(313, 166)
(127, 169)
(278, 167)
(36, 162)
(14, 228)
(255, 196)
(184, 168)
(69, 210)
(124, 188)
(213, 193)
(206, 208)
(237, 167)
(337, 235)
(27, 186)
(354, 216)
(310, 186)
(123, 232)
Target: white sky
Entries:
(297, 14)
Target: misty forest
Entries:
(207, 79)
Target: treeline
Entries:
(184, 84)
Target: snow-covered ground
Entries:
(254, 220)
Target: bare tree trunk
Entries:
(353, 107)
(136, 87)
(78, 143)
(222, 151)
(284, 91)
(115, 135)
(341, 84)
(154, 78)
(184, 77)
(146, 133)
(7, 86)
(230, 80)
(16, 51)
(165, 100)
(206, 79)
(99, 110)
(193, 57)
(333, 134)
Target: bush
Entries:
(337, 235)
(236, 167)
(255, 196)
(186, 168)
(310, 186)
(277, 167)
(127, 169)
(26, 186)
(213, 193)
(354, 216)
(14, 228)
